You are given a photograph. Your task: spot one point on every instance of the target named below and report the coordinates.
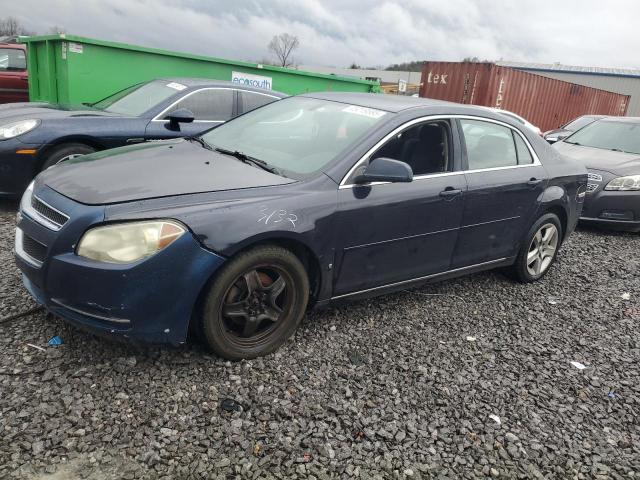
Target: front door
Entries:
(395, 232)
(505, 182)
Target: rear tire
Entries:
(64, 152)
(539, 250)
(255, 303)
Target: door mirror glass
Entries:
(180, 116)
(385, 170)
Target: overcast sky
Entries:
(368, 32)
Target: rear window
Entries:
(12, 60)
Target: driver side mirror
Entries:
(182, 115)
(384, 169)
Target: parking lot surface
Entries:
(470, 377)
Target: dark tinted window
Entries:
(211, 104)
(12, 60)
(251, 101)
(424, 147)
(489, 145)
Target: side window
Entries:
(251, 101)
(424, 147)
(488, 145)
(524, 154)
(12, 60)
(208, 105)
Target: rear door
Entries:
(210, 107)
(505, 181)
(396, 232)
(14, 86)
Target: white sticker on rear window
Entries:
(176, 86)
(364, 111)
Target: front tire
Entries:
(539, 250)
(65, 152)
(255, 303)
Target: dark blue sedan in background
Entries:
(310, 200)
(34, 136)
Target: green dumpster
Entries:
(70, 69)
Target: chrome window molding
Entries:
(41, 219)
(158, 118)
(410, 123)
(21, 253)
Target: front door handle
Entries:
(450, 192)
(534, 181)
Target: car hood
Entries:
(11, 112)
(618, 163)
(152, 170)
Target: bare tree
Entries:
(282, 46)
(57, 29)
(10, 26)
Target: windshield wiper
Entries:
(200, 141)
(243, 157)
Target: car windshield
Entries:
(298, 135)
(578, 123)
(12, 60)
(136, 100)
(619, 136)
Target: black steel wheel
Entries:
(255, 303)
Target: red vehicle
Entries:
(14, 86)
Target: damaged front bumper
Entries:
(148, 301)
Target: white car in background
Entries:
(518, 118)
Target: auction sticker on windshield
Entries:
(364, 111)
(176, 86)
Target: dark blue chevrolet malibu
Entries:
(303, 202)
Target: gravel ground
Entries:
(463, 379)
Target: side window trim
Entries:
(241, 102)
(463, 149)
(514, 131)
(158, 117)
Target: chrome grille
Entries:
(592, 187)
(34, 249)
(50, 215)
(595, 177)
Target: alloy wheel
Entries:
(542, 249)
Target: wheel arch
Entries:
(294, 244)
(69, 139)
(560, 211)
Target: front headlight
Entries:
(14, 129)
(25, 202)
(128, 242)
(632, 182)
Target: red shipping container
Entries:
(545, 102)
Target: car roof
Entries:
(621, 119)
(388, 103)
(208, 82)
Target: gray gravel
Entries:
(463, 379)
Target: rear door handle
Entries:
(534, 181)
(450, 192)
